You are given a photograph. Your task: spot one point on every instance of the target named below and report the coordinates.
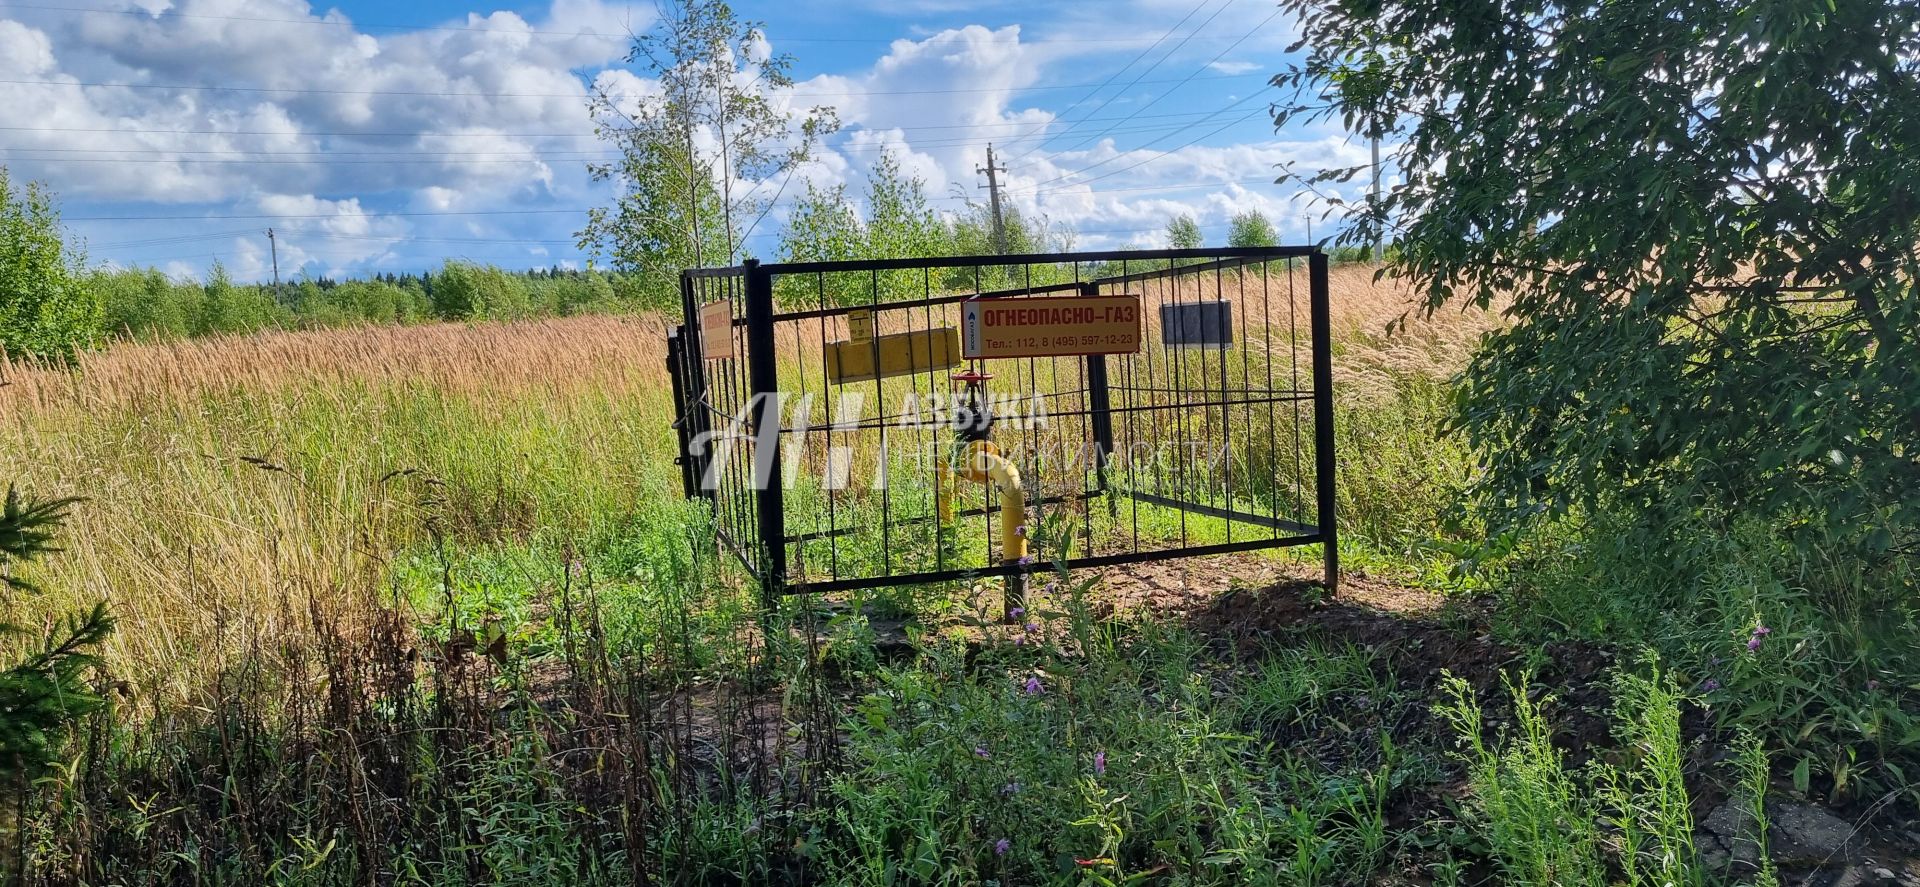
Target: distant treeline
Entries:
(147, 304)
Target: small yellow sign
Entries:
(1056, 326)
(900, 354)
(716, 330)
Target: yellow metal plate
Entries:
(900, 354)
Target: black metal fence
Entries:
(825, 409)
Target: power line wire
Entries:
(525, 135)
(170, 14)
(797, 92)
(476, 212)
(1142, 163)
(1164, 93)
(1121, 70)
(516, 155)
(1144, 72)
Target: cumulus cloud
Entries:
(271, 108)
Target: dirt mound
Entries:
(1418, 640)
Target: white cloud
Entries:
(1227, 66)
(320, 101)
(489, 114)
(23, 50)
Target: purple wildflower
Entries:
(1710, 686)
(1761, 631)
(1033, 627)
(1010, 789)
(1033, 687)
(1026, 560)
(1001, 847)
(1753, 644)
(1017, 612)
(1099, 763)
(1020, 531)
(980, 751)
(1019, 640)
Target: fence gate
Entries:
(909, 421)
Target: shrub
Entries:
(45, 311)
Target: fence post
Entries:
(1099, 406)
(698, 400)
(1321, 308)
(676, 372)
(764, 379)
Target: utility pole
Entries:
(993, 197)
(273, 246)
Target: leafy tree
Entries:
(1251, 228)
(1702, 222)
(823, 226)
(826, 226)
(227, 308)
(1184, 233)
(681, 204)
(900, 223)
(971, 234)
(465, 291)
(45, 311)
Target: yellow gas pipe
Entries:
(984, 464)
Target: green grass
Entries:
(313, 695)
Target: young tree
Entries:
(466, 291)
(1183, 233)
(1251, 228)
(971, 234)
(46, 311)
(1704, 221)
(46, 691)
(900, 224)
(822, 227)
(705, 155)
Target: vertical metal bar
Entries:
(694, 365)
(1100, 406)
(676, 371)
(764, 379)
(1320, 301)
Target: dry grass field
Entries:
(307, 537)
(232, 482)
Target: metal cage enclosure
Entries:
(816, 410)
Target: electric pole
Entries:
(993, 197)
(273, 246)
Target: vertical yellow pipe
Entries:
(943, 490)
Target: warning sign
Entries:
(1051, 327)
(716, 330)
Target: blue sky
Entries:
(391, 137)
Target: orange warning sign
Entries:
(1050, 327)
(716, 330)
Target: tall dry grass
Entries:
(592, 350)
(233, 484)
